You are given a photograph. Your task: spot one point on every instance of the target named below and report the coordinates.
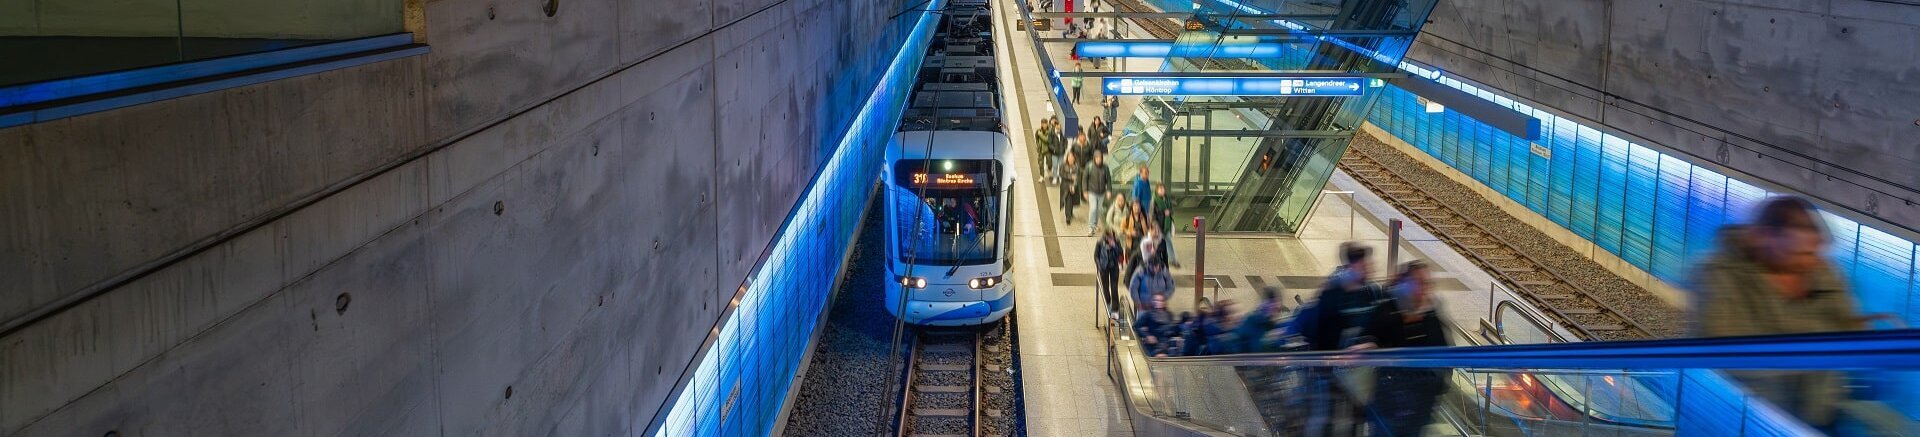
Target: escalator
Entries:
(1509, 377)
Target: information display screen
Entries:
(1234, 86)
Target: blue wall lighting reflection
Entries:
(1157, 49)
(1233, 86)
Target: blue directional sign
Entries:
(1234, 86)
(1155, 49)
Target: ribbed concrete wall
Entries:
(1815, 95)
(531, 228)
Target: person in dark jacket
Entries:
(1106, 259)
(1347, 315)
(1094, 184)
(1181, 335)
(1254, 327)
(1347, 311)
(1069, 187)
(1407, 395)
(1152, 326)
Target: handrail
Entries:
(1500, 325)
(1892, 349)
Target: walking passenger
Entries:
(1408, 394)
(1143, 187)
(1043, 143)
(1069, 187)
(1075, 82)
(1770, 278)
(1099, 135)
(1095, 182)
(1346, 314)
(1163, 215)
(1106, 259)
(1112, 106)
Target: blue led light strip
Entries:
(706, 406)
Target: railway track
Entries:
(1537, 282)
(942, 396)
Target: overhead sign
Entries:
(1160, 49)
(1234, 86)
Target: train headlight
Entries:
(911, 281)
(980, 283)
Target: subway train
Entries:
(948, 180)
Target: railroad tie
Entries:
(944, 367)
(1514, 269)
(950, 347)
(1479, 246)
(942, 388)
(1553, 296)
(942, 412)
(1537, 283)
(1605, 327)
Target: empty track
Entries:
(1566, 301)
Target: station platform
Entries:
(1063, 349)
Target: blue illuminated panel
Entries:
(1233, 86)
(740, 383)
(1658, 212)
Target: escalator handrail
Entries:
(1889, 349)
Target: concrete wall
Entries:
(531, 228)
(302, 19)
(1813, 95)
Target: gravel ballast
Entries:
(1663, 320)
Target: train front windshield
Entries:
(947, 212)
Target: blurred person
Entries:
(1256, 324)
(1178, 336)
(1407, 395)
(1347, 312)
(1094, 183)
(1152, 326)
(1770, 277)
(1346, 315)
(1205, 328)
